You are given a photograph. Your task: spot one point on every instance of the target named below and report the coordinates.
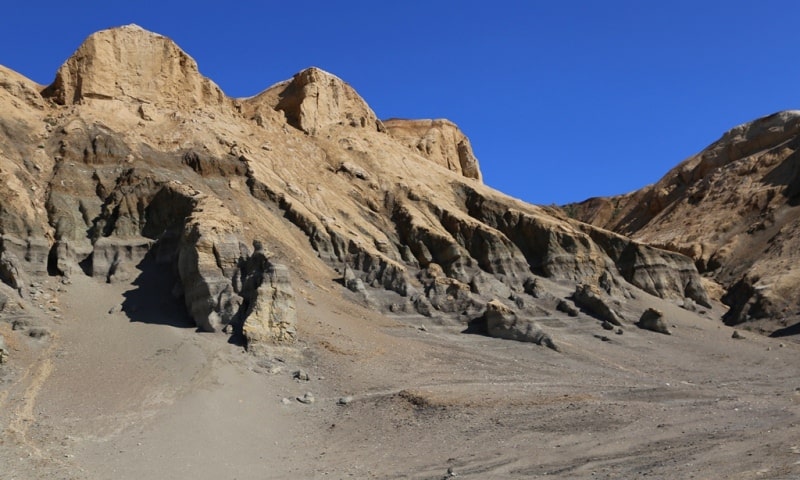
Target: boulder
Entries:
(563, 306)
(502, 322)
(592, 300)
(653, 320)
(533, 288)
(352, 282)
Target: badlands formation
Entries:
(285, 286)
(732, 208)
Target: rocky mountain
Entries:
(133, 160)
(733, 209)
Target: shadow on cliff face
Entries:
(152, 300)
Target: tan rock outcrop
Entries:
(208, 257)
(314, 100)
(440, 141)
(133, 65)
(15, 87)
(271, 315)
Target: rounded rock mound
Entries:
(132, 64)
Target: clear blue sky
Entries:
(563, 100)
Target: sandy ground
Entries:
(124, 388)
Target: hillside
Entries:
(732, 208)
(131, 155)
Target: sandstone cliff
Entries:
(314, 100)
(131, 162)
(131, 64)
(440, 141)
(733, 209)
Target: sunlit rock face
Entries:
(132, 162)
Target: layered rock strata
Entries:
(440, 141)
(108, 169)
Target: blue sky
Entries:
(562, 100)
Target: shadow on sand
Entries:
(787, 331)
(152, 301)
(477, 326)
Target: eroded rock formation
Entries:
(138, 158)
(502, 322)
(732, 209)
(440, 141)
(132, 65)
(314, 100)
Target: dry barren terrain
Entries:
(141, 395)
(285, 286)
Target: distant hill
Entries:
(732, 208)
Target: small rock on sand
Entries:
(653, 320)
(300, 375)
(3, 351)
(307, 398)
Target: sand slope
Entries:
(107, 397)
